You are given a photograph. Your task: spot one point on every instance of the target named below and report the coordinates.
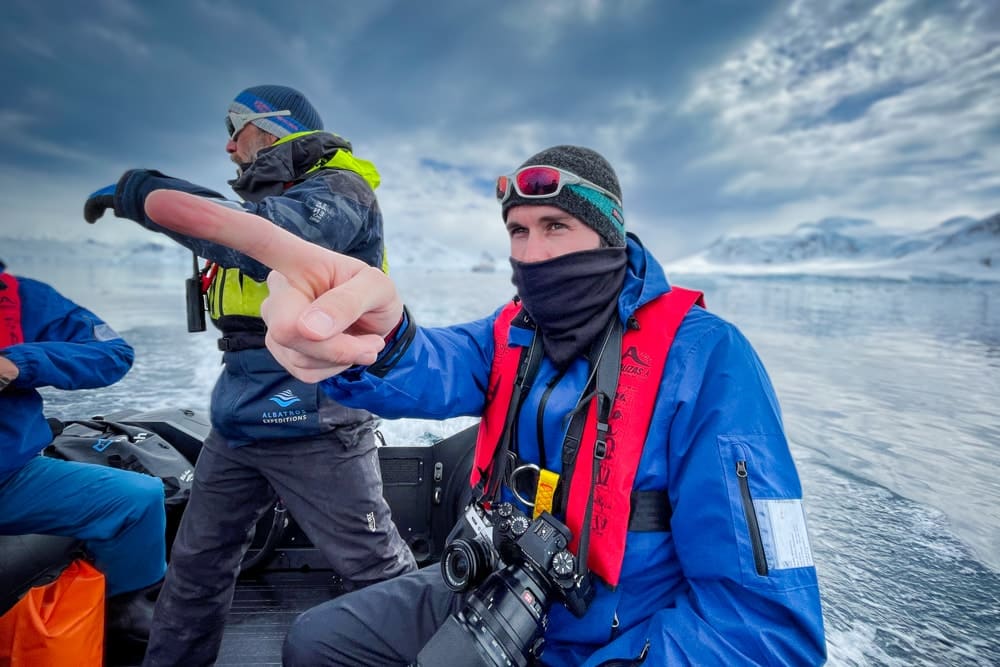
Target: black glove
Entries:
(98, 202)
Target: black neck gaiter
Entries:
(571, 298)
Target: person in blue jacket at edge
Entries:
(272, 435)
(654, 432)
(46, 340)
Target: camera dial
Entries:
(519, 525)
(563, 563)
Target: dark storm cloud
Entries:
(718, 115)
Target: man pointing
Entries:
(652, 418)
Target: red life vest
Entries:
(644, 356)
(10, 312)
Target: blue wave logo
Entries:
(285, 398)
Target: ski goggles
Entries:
(541, 182)
(237, 121)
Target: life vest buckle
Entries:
(600, 449)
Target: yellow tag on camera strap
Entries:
(544, 492)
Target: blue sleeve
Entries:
(311, 210)
(442, 373)
(727, 454)
(66, 346)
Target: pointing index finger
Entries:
(247, 233)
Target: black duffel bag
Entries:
(127, 447)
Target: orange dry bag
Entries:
(59, 624)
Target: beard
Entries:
(254, 145)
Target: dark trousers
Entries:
(385, 624)
(334, 491)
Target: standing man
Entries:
(272, 435)
(46, 340)
(652, 427)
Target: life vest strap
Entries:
(488, 487)
(650, 512)
(241, 341)
(596, 493)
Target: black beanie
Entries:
(591, 207)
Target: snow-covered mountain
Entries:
(957, 249)
(405, 251)
(30, 251)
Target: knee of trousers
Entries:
(137, 501)
(315, 635)
(146, 496)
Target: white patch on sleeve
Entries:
(103, 332)
(320, 211)
(783, 533)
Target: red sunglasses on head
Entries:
(541, 181)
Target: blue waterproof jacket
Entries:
(693, 595)
(65, 346)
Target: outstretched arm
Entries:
(332, 212)
(326, 311)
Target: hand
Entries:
(8, 372)
(98, 202)
(326, 311)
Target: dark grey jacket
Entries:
(311, 186)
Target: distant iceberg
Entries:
(410, 251)
(961, 248)
(404, 251)
(486, 264)
(28, 251)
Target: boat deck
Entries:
(264, 607)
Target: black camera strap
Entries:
(578, 416)
(606, 371)
(500, 466)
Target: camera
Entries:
(511, 569)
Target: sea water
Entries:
(891, 400)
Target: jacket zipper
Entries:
(539, 423)
(759, 560)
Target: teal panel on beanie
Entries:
(261, 99)
(591, 207)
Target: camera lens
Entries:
(465, 564)
(459, 567)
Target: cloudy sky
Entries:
(720, 116)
